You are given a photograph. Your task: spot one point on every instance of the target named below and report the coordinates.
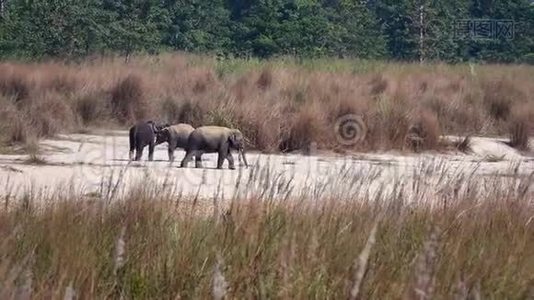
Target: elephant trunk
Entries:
(242, 153)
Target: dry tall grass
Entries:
(150, 244)
(280, 104)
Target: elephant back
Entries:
(182, 129)
(213, 131)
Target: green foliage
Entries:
(400, 30)
(61, 28)
(199, 26)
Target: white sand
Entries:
(89, 160)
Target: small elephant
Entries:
(176, 136)
(214, 139)
(141, 135)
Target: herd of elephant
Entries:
(195, 141)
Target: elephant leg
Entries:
(170, 151)
(132, 144)
(187, 159)
(223, 154)
(138, 152)
(151, 147)
(133, 150)
(230, 159)
(220, 159)
(198, 159)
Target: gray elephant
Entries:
(214, 139)
(143, 134)
(176, 136)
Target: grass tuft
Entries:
(521, 127)
(274, 101)
(92, 109)
(128, 101)
(148, 243)
(13, 83)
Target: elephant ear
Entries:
(162, 136)
(165, 132)
(153, 126)
(160, 127)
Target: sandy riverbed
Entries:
(90, 161)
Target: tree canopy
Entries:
(410, 30)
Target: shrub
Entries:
(304, 128)
(521, 126)
(424, 133)
(13, 125)
(62, 83)
(49, 115)
(499, 96)
(170, 110)
(192, 113)
(388, 123)
(92, 108)
(378, 84)
(32, 149)
(13, 84)
(128, 101)
(261, 125)
(265, 80)
(269, 98)
(519, 134)
(220, 117)
(203, 80)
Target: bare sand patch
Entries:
(91, 161)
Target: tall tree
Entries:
(199, 26)
(504, 45)
(134, 25)
(356, 30)
(59, 28)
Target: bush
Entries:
(499, 97)
(49, 115)
(13, 125)
(92, 108)
(424, 133)
(388, 123)
(62, 83)
(378, 84)
(192, 113)
(304, 128)
(265, 80)
(170, 110)
(521, 126)
(220, 117)
(13, 84)
(274, 102)
(128, 101)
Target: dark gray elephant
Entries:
(176, 136)
(214, 139)
(143, 134)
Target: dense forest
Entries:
(407, 30)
